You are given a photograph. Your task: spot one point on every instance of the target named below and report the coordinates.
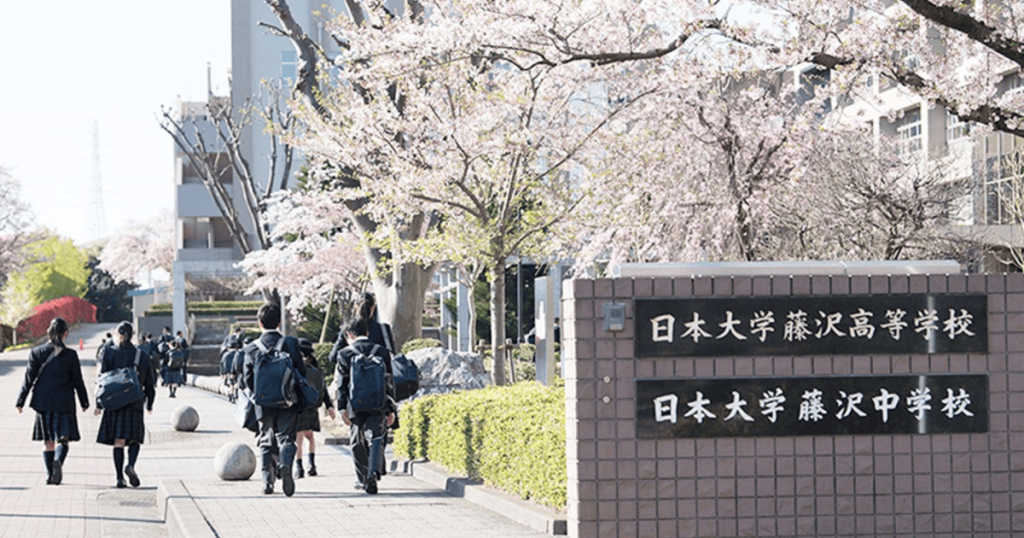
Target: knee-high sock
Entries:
(119, 462)
(48, 460)
(62, 452)
(133, 453)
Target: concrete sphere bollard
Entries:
(234, 461)
(185, 419)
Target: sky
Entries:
(70, 65)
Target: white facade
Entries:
(204, 247)
(986, 163)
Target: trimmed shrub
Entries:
(511, 438)
(212, 308)
(420, 343)
(72, 309)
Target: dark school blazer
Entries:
(53, 388)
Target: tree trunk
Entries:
(498, 321)
(327, 316)
(400, 300)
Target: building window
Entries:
(1003, 184)
(289, 65)
(956, 128)
(908, 130)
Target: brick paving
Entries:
(87, 504)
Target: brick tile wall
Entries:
(868, 485)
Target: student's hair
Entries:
(168, 329)
(366, 306)
(269, 315)
(357, 326)
(124, 333)
(56, 331)
(178, 333)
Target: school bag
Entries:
(227, 359)
(406, 373)
(367, 382)
(119, 387)
(406, 377)
(274, 377)
(315, 377)
(177, 360)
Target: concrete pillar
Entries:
(178, 319)
(544, 322)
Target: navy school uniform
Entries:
(127, 423)
(53, 393)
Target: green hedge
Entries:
(511, 438)
(222, 308)
(420, 343)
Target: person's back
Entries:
(277, 425)
(367, 456)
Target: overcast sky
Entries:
(70, 64)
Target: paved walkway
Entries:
(87, 504)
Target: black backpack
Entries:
(274, 377)
(367, 387)
(227, 360)
(315, 377)
(407, 377)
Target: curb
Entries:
(181, 516)
(529, 514)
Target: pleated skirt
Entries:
(127, 423)
(308, 420)
(54, 426)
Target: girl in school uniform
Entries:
(309, 420)
(126, 426)
(54, 375)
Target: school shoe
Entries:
(371, 486)
(287, 483)
(268, 489)
(133, 478)
(121, 484)
(299, 472)
(58, 474)
(312, 470)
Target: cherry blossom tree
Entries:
(314, 257)
(15, 225)
(140, 248)
(476, 130)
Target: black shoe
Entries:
(121, 484)
(58, 473)
(133, 478)
(312, 470)
(287, 484)
(371, 486)
(299, 473)
(268, 489)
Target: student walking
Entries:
(267, 360)
(368, 406)
(126, 426)
(54, 375)
(309, 420)
(173, 368)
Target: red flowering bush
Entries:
(72, 309)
